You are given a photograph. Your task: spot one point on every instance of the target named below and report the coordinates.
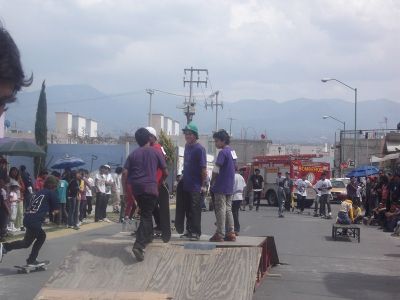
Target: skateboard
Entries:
(26, 269)
(180, 209)
(163, 203)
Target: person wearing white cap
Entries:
(161, 211)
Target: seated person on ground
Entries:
(345, 214)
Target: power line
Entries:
(96, 98)
(169, 93)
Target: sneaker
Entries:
(316, 215)
(107, 220)
(195, 237)
(217, 238)
(237, 233)
(230, 237)
(139, 253)
(186, 235)
(34, 263)
(281, 216)
(76, 227)
(79, 224)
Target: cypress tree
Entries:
(41, 128)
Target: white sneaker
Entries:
(79, 224)
(107, 220)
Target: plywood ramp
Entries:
(106, 269)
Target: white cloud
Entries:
(253, 49)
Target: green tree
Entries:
(41, 128)
(168, 146)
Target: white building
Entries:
(91, 128)
(79, 125)
(169, 126)
(63, 123)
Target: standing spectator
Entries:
(119, 190)
(324, 187)
(288, 187)
(4, 210)
(280, 181)
(101, 204)
(74, 200)
(256, 184)
(194, 180)
(13, 200)
(16, 180)
(301, 192)
(351, 189)
(140, 170)
(27, 180)
(62, 189)
(39, 183)
(82, 203)
(89, 184)
(109, 187)
(222, 181)
(238, 191)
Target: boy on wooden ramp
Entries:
(140, 171)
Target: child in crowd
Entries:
(345, 214)
(41, 204)
(13, 200)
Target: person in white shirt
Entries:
(101, 201)
(301, 192)
(89, 184)
(237, 199)
(324, 187)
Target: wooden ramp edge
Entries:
(105, 269)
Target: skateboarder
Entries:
(41, 203)
(194, 181)
(161, 211)
(222, 182)
(140, 170)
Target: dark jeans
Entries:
(89, 204)
(324, 201)
(63, 215)
(300, 202)
(235, 212)
(73, 213)
(288, 201)
(82, 210)
(144, 233)
(192, 201)
(31, 234)
(256, 199)
(101, 207)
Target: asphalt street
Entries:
(313, 265)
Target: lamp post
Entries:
(150, 92)
(355, 113)
(344, 130)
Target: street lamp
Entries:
(344, 130)
(355, 113)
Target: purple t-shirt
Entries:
(194, 162)
(142, 167)
(226, 176)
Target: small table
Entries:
(342, 230)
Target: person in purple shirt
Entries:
(222, 183)
(140, 171)
(194, 180)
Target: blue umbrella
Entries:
(363, 171)
(68, 162)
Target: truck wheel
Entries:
(272, 198)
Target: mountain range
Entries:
(297, 121)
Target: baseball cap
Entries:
(152, 131)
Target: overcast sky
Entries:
(253, 49)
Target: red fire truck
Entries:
(296, 165)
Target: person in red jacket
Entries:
(161, 211)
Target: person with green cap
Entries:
(194, 180)
(44, 201)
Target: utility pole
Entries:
(189, 105)
(216, 104)
(150, 92)
(230, 125)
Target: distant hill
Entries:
(298, 120)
